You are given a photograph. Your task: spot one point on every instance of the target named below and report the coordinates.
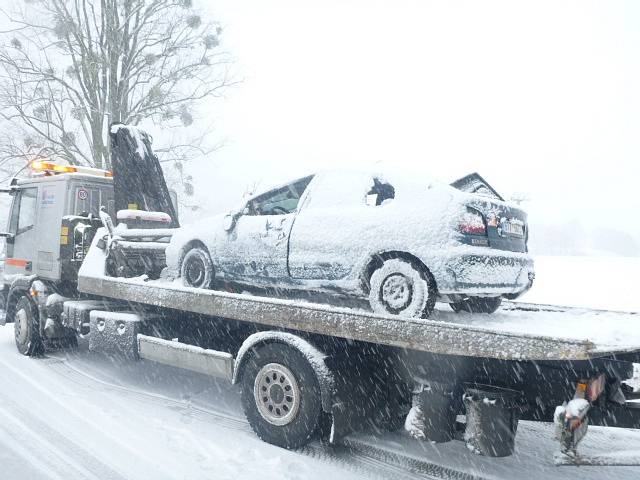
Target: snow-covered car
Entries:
(402, 242)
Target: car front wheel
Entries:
(477, 305)
(400, 287)
(196, 269)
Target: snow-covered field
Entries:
(609, 283)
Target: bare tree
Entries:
(68, 68)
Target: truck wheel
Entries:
(399, 287)
(196, 269)
(26, 329)
(477, 305)
(281, 396)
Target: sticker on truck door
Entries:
(48, 197)
(83, 194)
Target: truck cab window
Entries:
(23, 215)
(89, 199)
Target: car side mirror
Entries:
(106, 220)
(229, 222)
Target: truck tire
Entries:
(26, 328)
(196, 269)
(477, 305)
(399, 287)
(281, 396)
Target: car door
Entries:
(22, 245)
(337, 226)
(258, 243)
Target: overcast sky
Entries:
(539, 97)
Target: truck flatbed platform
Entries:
(453, 334)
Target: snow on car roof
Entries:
(386, 174)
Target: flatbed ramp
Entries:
(422, 335)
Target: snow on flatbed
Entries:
(78, 415)
(607, 330)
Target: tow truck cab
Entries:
(54, 198)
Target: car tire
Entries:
(26, 328)
(400, 287)
(477, 305)
(286, 414)
(196, 269)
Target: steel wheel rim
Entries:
(277, 394)
(396, 292)
(21, 325)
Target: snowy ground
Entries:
(609, 283)
(76, 415)
(79, 416)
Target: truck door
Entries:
(22, 245)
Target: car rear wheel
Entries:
(26, 329)
(477, 305)
(196, 269)
(399, 287)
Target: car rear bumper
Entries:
(488, 272)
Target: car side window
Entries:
(26, 211)
(380, 193)
(280, 201)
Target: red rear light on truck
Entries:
(472, 223)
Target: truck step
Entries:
(188, 357)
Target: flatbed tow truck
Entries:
(305, 369)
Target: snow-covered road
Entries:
(75, 415)
(78, 416)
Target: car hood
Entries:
(202, 231)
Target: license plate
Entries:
(514, 229)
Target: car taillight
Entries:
(472, 223)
